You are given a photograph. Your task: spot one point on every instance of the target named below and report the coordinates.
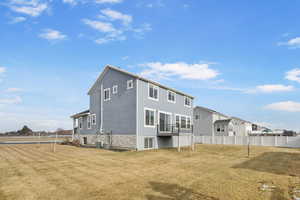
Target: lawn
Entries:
(212, 172)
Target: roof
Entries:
(135, 76)
(223, 121)
(81, 114)
(210, 110)
(236, 118)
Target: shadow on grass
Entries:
(281, 163)
(175, 192)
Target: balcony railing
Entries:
(173, 130)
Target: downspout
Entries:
(137, 116)
(101, 109)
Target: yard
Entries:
(212, 172)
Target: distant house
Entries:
(208, 122)
(129, 111)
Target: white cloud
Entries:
(292, 43)
(293, 75)
(108, 1)
(100, 26)
(271, 88)
(29, 7)
(125, 58)
(17, 20)
(115, 15)
(288, 106)
(50, 34)
(180, 70)
(14, 100)
(12, 90)
(71, 2)
(2, 70)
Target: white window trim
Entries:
(94, 115)
(169, 91)
(89, 119)
(189, 106)
(153, 143)
(129, 81)
(186, 116)
(107, 89)
(154, 86)
(168, 113)
(115, 89)
(150, 109)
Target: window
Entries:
(153, 92)
(187, 101)
(165, 121)
(115, 89)
(148, 143)
(183, 122)
(80, 123)
(223, 128)
(94, 119)
(188, 124)
(107, 94)
(171, 96)
(89, 121)
(129, 84)
(218, 128)
(197, 117)
(149, 117)
(177, 118)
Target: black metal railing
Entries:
(173, 129)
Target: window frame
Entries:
(147, 139)
(106, 89)
(189, 106)
(94, 116)
(186, 122)
(154, 87)
(152, 110)
(115, 89)
(166, 113)
(80, 122)
(128, 84)
(174, 93)
(89, 122)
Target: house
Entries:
(208, 122)
(129, 111)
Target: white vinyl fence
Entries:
(280, 141)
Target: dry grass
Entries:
(212, 172)
(30, 138)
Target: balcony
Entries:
(168, 130)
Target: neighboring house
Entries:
(208, 122)
(204, 121)
(129, 111)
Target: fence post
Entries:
(275, 140)
(235, 140)
(261, 140)
(202, 137)
(287, 139)
(223, 140)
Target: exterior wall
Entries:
(119, 113)
(203, 125)
(241, 128)
(161, 105)
(227, 127)
(117, 141)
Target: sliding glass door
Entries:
(165, 122)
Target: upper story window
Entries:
(115, 89)
(89, 122)
(171, 96)
(129, 84)
(187, 101)
(197, 116)
(107, 94)
(153, 92)
(94, 119)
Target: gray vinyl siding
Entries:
(119, 113)
(161, 105)
(204, 125)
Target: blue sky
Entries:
(241, 58)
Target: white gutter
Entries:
(101, 109)
(137, 112)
